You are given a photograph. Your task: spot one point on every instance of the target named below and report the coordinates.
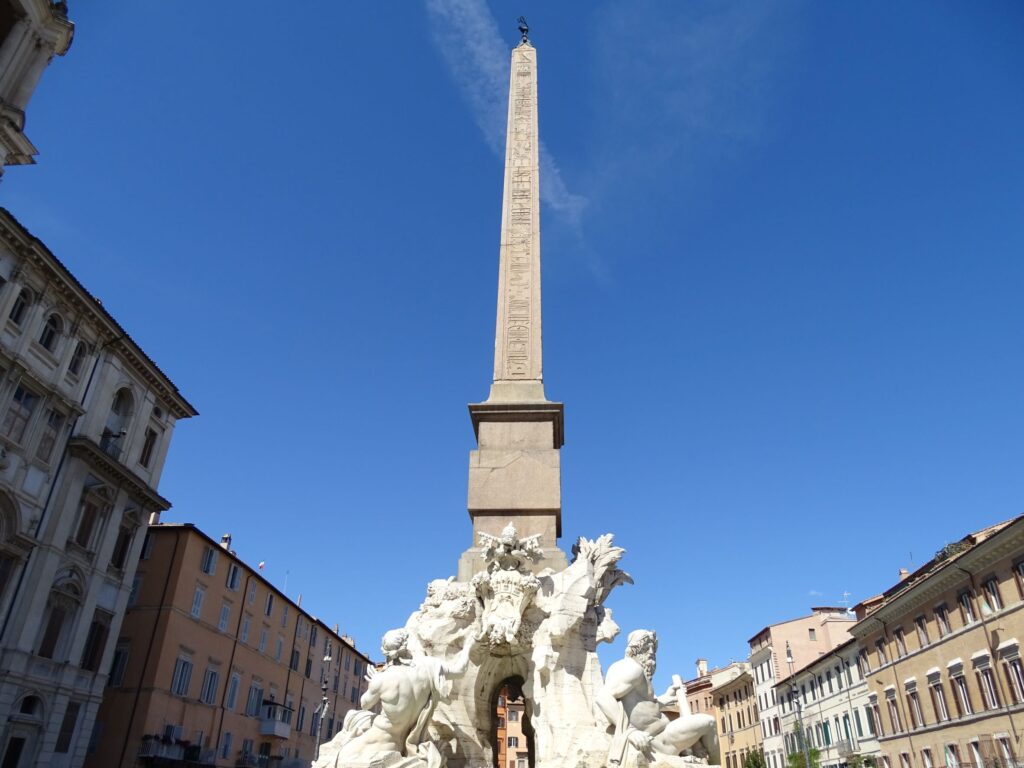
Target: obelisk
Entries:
(515, 473)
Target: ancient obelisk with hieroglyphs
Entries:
(515, 473)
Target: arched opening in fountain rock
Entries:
(511, 731)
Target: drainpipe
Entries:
(149, 647)
(231, 664)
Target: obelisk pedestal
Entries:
(515, 473)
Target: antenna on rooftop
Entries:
(845, 602)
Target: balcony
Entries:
(158, 748)
(845, 748)
(174, 754)
(276, 721)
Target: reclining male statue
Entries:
(407, 690)
(628, 703)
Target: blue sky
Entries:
(782, 273)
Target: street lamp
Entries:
(799, 708)
(325, 704)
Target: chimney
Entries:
(702, 667)
(225, 541)
(904, 573)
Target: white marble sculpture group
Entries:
(433, 703)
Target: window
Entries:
(209, 562)
(269, 608)
(21, 305)
(119, 664)
(966, 607)
(963, 695)
(252, 593)
(119, 556)
(52, 330)
(901, 642)
(181, 676)
(939, 701)
(225, 745)
(117, 422)
(263, 640)
(254, 704)
(926, 758)
(295, 660)
(133, 596)
(995, 601)
(914, 706)
(234, 577)
(19, 413)
(96, 641)
(284, 615)
(52, 427)
(302, 716)
(976, 755)
(279, 648)
(309, 666)
(148, 444)
(208, 694)
(225, 617)
(245, 628)
(513, 715)
(197, 602)
(67, 728)
(812, 634)
(942, 619)
(88, 521)
(987, 684)
(77, 358)
(922, 631)
(61, 610)
(880, 647)
(1015, 676)
(233, 685)
(513, 741)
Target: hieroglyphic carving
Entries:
(520, 200)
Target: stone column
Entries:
(515, 474)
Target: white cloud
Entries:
(467, 36)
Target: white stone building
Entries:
(85, 423)
(837, 714)
(32, 32)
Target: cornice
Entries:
(975, 560)
(115, 472)
(73, 293)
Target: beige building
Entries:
(215, 666)
(835, 707)
(738, 729)
(512, 742)
(32, 32)
(941, 653)
(806, 638)
(86, 419)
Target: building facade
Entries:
(86, 423)
(512, 749)
(738, 732)
(32, 32)
(940, 650)
(805, 638)
(835, 708)
(215, 666)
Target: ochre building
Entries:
(215, 666)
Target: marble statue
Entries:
(640, 729)
(404, 695)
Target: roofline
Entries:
(255, 572)
(15, 231)
(838, 609)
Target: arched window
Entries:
(61, 608)
(51, 332)
(10, 554)
(117, 422)
(21, 305)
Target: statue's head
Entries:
(642, 647)
(394, 645)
